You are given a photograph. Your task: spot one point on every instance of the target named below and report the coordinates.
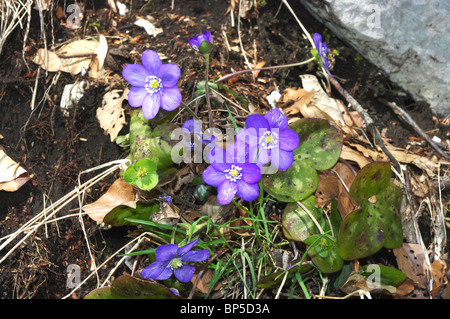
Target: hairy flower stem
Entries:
(208, 102)
(265, 68)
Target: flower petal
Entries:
(158, 271)
(198, 255)
(257, 122)
(184, 273)
(213, 177)
(169, 75)
(136, 96)
(171, 98)
(226, 192)
(288, 140)
(152, 61)
(276, 119)
(281, 159)
(151, 104)
(247, 192)
(194, 43)
(248, 136)
(318, 41)
(185, 248)
(192, 126)
(251, 173)
(220, 159)
(208, 36)
(263, 157)
(166, 252)
(135, 74)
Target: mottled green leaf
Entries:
(319, 149)
(324, 253)
(143, 210)
(127, 287)
(152, 142)
(377, 223)
(371, 180)
(297, 224)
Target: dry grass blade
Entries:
(45, 215)
(13, 12)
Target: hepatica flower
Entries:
(232, 174)
(194, 127)
(171, 259)
(153, 84)
(321, 51)
(202, 43)
(269, 139)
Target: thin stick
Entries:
(104, 263)
(240, 38)
(264, 68)
(311, 216)
(406, 117)
(368, 120)
(213, 257)
(208, 101)
(56, 207)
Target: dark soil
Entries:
(55, 148)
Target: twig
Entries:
(264, 68)
(407, 118)
(240, 38)
(368, 120)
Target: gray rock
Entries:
(407, 39)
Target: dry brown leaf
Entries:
(111, 115)
(12, 175)
(350, 154)
(411, 261)
(427, 164)
(324, 106)
(258, 65)
(299, 96)
(203, 284)
(119, 193)
(73, 57)
(438, 269)
(166, 215)
(98, 59)
(329, 188)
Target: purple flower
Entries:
(202, 43)
(153, 84)
(232, 173)
(322, 50)
(172, 259)
(269, 139)
(194, 127)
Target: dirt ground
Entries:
(55, 148)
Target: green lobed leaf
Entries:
(384, 275)
(324, 253)
(371, 180)
(377, 223)
(127, 287)
(149, 142)
(296, 222)
(319, 149)
(143, 210)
